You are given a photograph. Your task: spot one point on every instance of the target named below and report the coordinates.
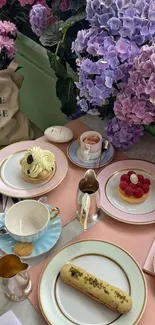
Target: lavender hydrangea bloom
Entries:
(38, 18)
(92, 38)
(122, 135)
(111, 63)
(136, 102)
(132, 19)
(77, 114)
(98, 43)
(107, 64)
(95, 83)
(110, 58)
(83, 104)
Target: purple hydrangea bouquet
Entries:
(103, 55)
(116, 60)
(7, 43)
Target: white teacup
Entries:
(90, 151)
(27, 221)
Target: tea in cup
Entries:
(90, 145)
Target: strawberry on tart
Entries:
(134, 188)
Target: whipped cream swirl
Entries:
(37, 160)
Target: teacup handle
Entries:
(54, 212)
(86, 153)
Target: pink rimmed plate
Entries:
(114, 205)
(14, 185)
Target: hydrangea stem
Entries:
(59, 43)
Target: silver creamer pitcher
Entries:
(14, 278)
(88, 199)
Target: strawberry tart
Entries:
(134, 188)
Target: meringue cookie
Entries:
(134, 179)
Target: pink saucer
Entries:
(27, 191)
(114, 205)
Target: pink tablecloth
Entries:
(136, 240)
(64, 195)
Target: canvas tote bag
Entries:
(14, 125)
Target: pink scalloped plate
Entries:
(30, 191)
(113, 205)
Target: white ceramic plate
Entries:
(63, 305)
(14, 179)
(115, 199)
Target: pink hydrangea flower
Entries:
(135, 103)
(52, 19)
(42, 2)
(26, 2)
(8, 45)
(64, 5)
(134, 110)
(2, 3)
(6, 27)
(32, 2)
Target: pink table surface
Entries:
(136, 240)
(61, 195)
(64, 195)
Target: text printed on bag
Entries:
(2, 100)
(3, 113)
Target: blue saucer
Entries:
(41, 246)
(74, 147)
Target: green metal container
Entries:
(38, 94)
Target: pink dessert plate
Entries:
(11, 182)
(111, 202)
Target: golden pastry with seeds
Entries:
(112, 297)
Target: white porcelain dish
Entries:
(59, 134)
(27, 221)
(63, 305)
